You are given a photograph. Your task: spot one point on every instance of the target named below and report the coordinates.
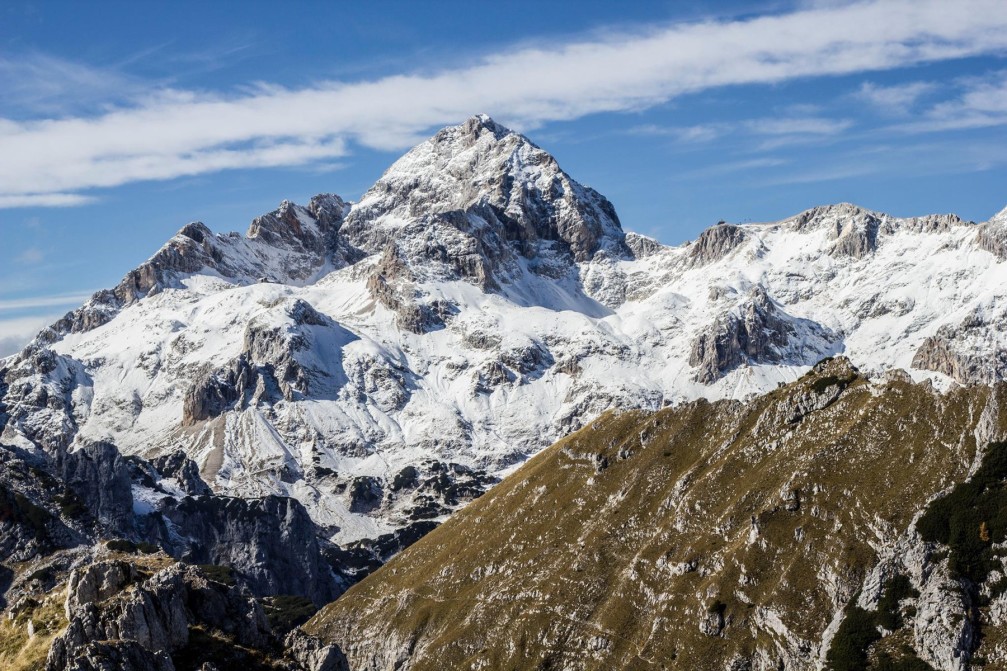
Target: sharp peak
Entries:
(486, 122)
(477, 127)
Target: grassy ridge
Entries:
(607, 550)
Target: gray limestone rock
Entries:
(961, 351)
(100, 476)
(716, 242)
(270, 543)
(758, 331)
(184, 471)
(313, 655)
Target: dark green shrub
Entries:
(897, 589)
(218, 573)
(43, 575)
(121, 545)
(908, 663)
(287, 611)
(856, 634)
(971, 517)
(823, 383)
(70, 505)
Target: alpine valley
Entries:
(780, 446)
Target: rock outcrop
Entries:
(98, 474)
(183, 471)
(270, 543)
(716, 242)
(758, 332)
(151, 620)
(963, 352)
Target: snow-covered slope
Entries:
(474, 306)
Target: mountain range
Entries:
(347, 375)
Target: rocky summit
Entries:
(752, 426)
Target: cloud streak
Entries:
(896, 100)
(178, 133)
(35, 302)
(16, 332)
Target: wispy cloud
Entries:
(176, 133)
(30, 256)
(35, 302)
(896, 100)
(15, 333)
(44, 200)
(982, 104)
(35, 82)
(688, 134)
(804, 126)
(782, 130)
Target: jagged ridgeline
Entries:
(475, 305)
(779, 533)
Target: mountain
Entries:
(785, 436)
(776, 533)
(385, 361)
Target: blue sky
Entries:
(120, 122)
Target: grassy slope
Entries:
(564, 566)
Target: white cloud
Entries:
(15, 333)
(983, 103)
(688, 134)
(175, 133)
(805, 126)
(44, 200)
(897, 99)
(36, 302)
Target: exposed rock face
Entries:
(117, 656)
(270, 542)
(152, 619)
(70, 524)
(962, 351)
(992, 235)
(757, 332)
(222, 390)
(289, 358)
(716, 242)
(40, 406)
(854, 229)
(742, 533)
(30, 521)
(99, 475)
(313, 655)
(642, 246)
(153, 615)
(183, 471)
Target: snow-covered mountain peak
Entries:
(486, 180)
(475, 305)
